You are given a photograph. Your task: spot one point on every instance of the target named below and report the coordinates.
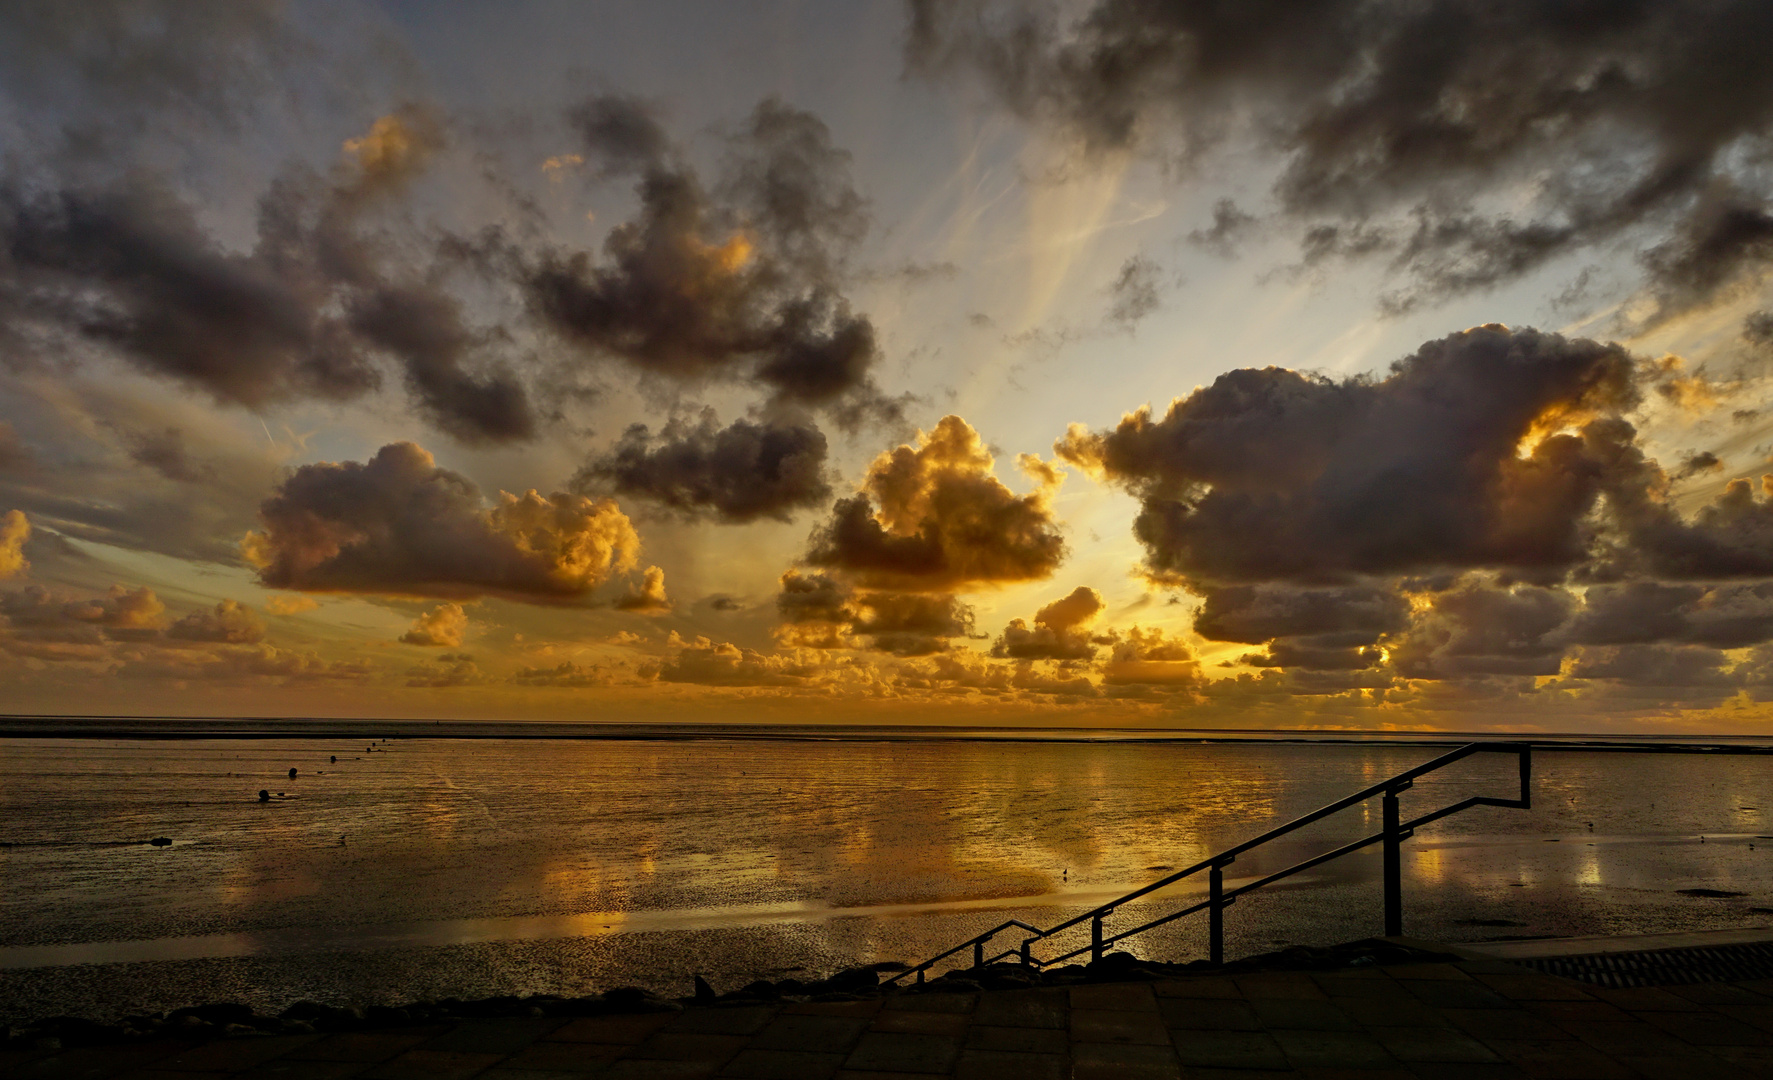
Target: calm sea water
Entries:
(439, 867)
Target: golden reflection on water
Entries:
(1429, 864)
(631, 835)
(1588, 867)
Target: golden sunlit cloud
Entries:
(649, 598)
(556, 167)
(398, 525)
(290, 605)
(944, 521)
(15, 529)
(443, 626)
(396, 148)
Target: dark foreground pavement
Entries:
(1471, 1019)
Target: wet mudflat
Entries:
(433, 868)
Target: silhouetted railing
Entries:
(1392, 836)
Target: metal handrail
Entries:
(1392, 835)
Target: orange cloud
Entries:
(290, 605)
(935, 518)
(649, 598)
(15, 529)
(443, 626)
(398, 525)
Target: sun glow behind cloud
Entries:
(702, 392)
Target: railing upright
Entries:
(1216, 913)
(1394, 864)
(1391, 837)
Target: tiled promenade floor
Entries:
(1462, 1021)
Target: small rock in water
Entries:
(161, 841)
(264, 796)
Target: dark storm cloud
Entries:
(425, 330)
(935, 518)
(910, 624)
(742, 472)
(165, 452)
(1731, 537)
(622, 132)
(1727, 237)
(304, 314)
(1693, 464)
(744, 281)
(1430, 523)
(1726, 616)
(399, 525)
(1060, 631)
(1758, 328)
(1273, 474)
(814, 598)
(1315, 628)
(110, 66)
(133, 270)
(1134, 292)
(1230, 227)
(1566, 124)
(818, 611)
(1259, 613)
(1652, 665)
(1478, 630)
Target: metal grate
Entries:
(1663, 967)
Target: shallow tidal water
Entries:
(426, 868)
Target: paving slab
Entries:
(500, 1036)
(563, 1057)
(297, 1069)
(1334, 1050)
(614, 1030)
(921, 1023)
(1017, 1040)
(818, 1034)
(979, 1064)
(1111, 1061)
(368, 1046)
(1043, 1008)
(783, 1064)
(1470, 1019)
(883, 1051)
(432, 1065)
(232, 1055)
(1302, 1013)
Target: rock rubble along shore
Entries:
(224, 1020)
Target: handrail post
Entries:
(1391, 838)
(1216, 914)
(1394, 886)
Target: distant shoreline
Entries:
(195, 728)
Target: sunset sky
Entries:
(1131, 363)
